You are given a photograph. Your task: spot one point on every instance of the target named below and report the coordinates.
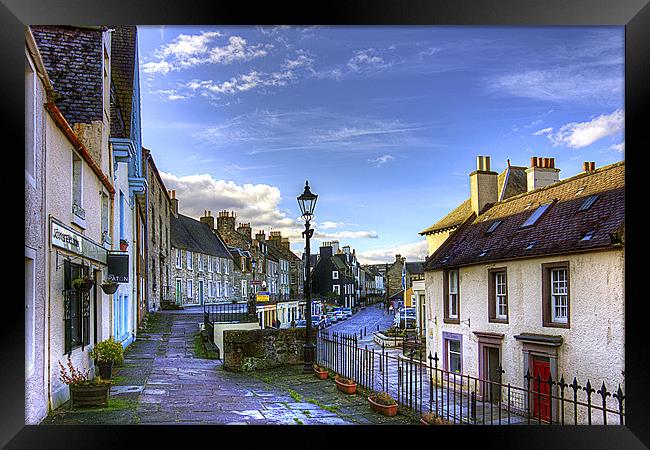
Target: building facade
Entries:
(534, 284)
(158, 237)
(74, 125)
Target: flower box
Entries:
(321, 375)
(347, 388)
(83, 396)
(386, 410)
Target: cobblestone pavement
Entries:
(164, 381)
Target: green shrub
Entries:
(108, 351)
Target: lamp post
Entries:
(307, 203)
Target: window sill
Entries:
(556, 325)
(449, 320)
(497, 320)
(78, 221)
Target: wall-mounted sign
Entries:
(262, 296)
(66, 238)
(118, 267)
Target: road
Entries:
(366, 320)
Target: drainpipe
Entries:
(146, 236)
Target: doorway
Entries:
(492, 371)
(540, 390)
(200, 292)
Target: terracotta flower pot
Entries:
(321, 375)
(89, 395)
(388, 411)
(347, 388)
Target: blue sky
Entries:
(385, 122)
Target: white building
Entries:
(534, 284)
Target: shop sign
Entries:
(262, 296)
(68, 239)
(118, 267)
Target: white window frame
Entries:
(190, 290)
(337, 289)
(459, 353)
(209, 264)
(226, 266)
(210, 288)
(199, 258)
(179, 258)
(218, 282)
(218, 268)
(453, 294)
(190, 264)
(335, 274)
(226, 289)
(559, 295)
(500, 295)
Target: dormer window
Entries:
(483, 253)
(494, 226)
(588, 236)
(588, 203)
(534, 217)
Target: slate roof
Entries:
(511, 182)
(73, 59)
(189, 234)
(123, 66)
(415, 267)
(273, 253)
(559, 230)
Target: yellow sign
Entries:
(263, 297)
(407, 297)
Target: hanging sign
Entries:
(118, 267)
(262, 296)
(63, 237)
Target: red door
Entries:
(541, 397)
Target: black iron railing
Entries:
(228, 312)
(423, 386)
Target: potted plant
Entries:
(84, 392)
(433, 419)
(383, 403)
(321, 372)
(346, 385)
(83, 283)
(106, 353)
(109, 286)
(124, 244)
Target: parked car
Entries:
(347, 312)
(405, 317)
(332, 317)
(285, 325)
(317, 322)
(340, 315)
(326, 320)
(301, 324)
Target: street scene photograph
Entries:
(324, 225)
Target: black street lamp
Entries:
(307, 203)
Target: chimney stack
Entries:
(285, 244)
(226, 222)
(208, 219)
(542, 172)
(174, 203)
(588, 166)
(245, 229)
(483, 185)
(326, 250)
(260, 236)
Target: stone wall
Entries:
(262, 349)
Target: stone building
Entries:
(291, 270)
(68, 124)
(534, 284)
(203, 270)
(158, 236)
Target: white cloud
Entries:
(258, 204)
(618, 147)
(169, 94)
(544, 131)
(327, 225)
(415, 251)
(364, 58)
(187, 51)
(381, 160)
(582, 134)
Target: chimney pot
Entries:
(592, 166)
(533, 161)
(585, 166)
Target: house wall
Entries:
(593, 346)
(35, 259)
(435, 240)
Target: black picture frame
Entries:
(633, 14)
